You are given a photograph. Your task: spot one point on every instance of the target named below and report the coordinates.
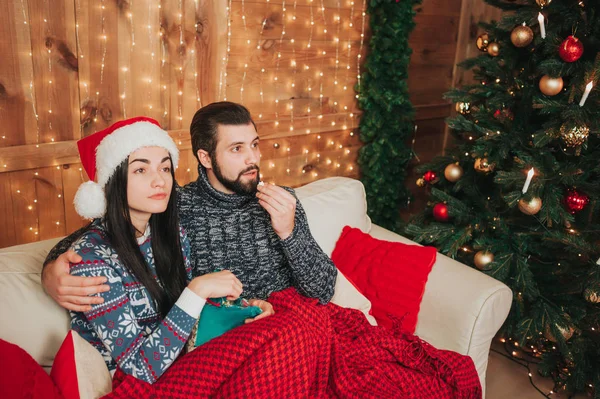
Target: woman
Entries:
(136, 243)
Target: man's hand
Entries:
(71, 292)
(280, 205)
(266, 307)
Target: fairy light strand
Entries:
(32, 93)
(247, 40)
(225, 59)
(277, 62)
(262, 70)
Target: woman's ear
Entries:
(204, 158)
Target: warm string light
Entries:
(336, 40)
(150, 86)
(306, 66)
(248, 52)
(181, 79)
(49, 33)
(295, 71)
(349, 54)
(277, 62)
(262, 71)
(322, 8)
(362, 41)
(32, 95)
(225, 60)
(103, 40)
(195, 63)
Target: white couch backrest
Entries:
(331, 204)
(32, 320)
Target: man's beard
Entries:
(237, 185)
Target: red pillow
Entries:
(21, 376)
(79, 370)
(391, 275)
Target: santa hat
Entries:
(102, 152)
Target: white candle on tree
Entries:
(588, 88)
(528, 181)
(542, 25)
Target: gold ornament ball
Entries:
(521, 36)
(543, 3)
(493, 49)
(453, 172)
(567, 333)
(551, 86)
(592, 295)
(483, 258)
(421, 182)
(483, 41)
(463, 108)
(530, 207)
(482, 165)
(574, 136)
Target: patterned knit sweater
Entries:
(233, 232)
(126, 329)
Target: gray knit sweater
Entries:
(233, 232)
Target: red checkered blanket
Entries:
(308, 350)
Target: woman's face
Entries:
(149, 181)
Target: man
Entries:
(257, 231)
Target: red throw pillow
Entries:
(392, 275)
(21, 376)
(79, 370)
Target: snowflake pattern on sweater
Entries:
(127, 329)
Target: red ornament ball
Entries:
(440, 212)
(429, 176)
(571, 49)
(575, 201)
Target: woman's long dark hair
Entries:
(166, 247)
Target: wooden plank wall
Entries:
(445, 34)
(71, 68)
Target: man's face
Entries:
(235, 162)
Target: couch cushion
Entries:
(28, 317)
(331, 204)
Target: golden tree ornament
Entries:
(482, 165)
(463, 108)
(574, 135)
(482, 259)
(551, 86)
(421, 182)
(592, 295)
(493, 49)
(521, 36)
(543, 3)
(453, 172)
(567, 333)
(530, 206)
(483, 41)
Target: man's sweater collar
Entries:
(223, 200)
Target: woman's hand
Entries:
(266, 307)
(216, 285)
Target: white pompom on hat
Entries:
(102, 152)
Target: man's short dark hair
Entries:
(204, 126)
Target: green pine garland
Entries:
(387, 120)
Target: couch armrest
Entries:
(462, 309)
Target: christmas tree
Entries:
(518, 194)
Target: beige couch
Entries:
(462, 309)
